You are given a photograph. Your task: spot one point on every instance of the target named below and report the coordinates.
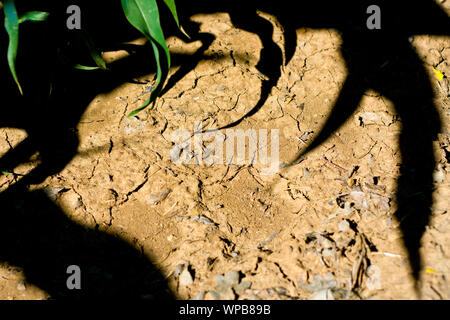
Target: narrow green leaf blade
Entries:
(33, 16)
(93, 51)
(82, 67)
(173, 9)
(160, 78)
(144, 16)
(12, 28)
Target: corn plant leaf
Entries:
(82, 67)
(12, 28)
(144, 16)
(161, 75)
(33, 16)
(173, 10)
(93, 51)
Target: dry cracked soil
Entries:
(323, 228)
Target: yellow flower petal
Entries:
(438, 74)
(428, 270)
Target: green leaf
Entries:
(81, 67)
(144, 16)
(160, 77)
(12, 28)
(173, 10)
(93, 51)
(34, 16)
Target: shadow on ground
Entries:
(382, 60)
(37, 236)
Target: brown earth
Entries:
(321, 229)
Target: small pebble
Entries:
(221, 281)
(21, 286)
(186, 278)
(388, 222)
(347, 208)
(214, 295)
(232, 277)
(204, 220)
(147, 89)
(369, 117)
(52, 192)
(324, 294)
(241, 287)
(281, 291)
(226, 293)
(155, 199)
(178, 270)
(305, 173)
(438, 176)
(200, 295)
(343, 226)
(328, 252)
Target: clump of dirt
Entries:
(321, 229)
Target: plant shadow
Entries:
(382, 60)
(37, 236)
(385, 61)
